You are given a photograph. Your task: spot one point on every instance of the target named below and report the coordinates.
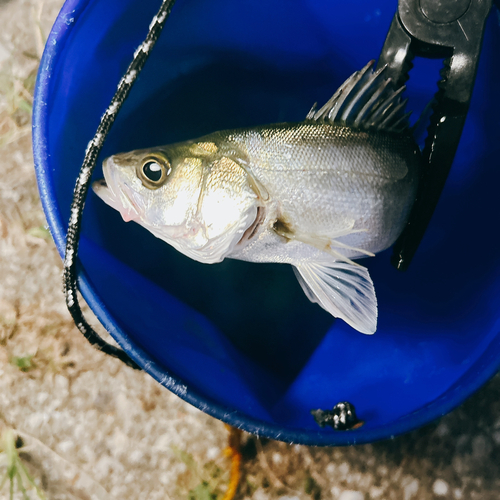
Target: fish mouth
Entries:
(102, 189)
(100, 184)
(253, 229)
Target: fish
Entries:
(316, 194)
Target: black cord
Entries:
(70, 274)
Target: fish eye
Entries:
(154, 171)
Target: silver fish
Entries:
(315, 194)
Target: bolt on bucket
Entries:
(241, 341)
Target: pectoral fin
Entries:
(324, 242)
(344, 290)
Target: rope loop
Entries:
(70, 274)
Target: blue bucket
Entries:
(240, 341)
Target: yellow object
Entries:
(233, 451)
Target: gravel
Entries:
(92, 428)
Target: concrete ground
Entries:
(88, 427)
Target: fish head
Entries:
(186, 195)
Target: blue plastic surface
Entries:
(241, 341)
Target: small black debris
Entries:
(342, 417)
(19, 442)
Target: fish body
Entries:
(315, 194)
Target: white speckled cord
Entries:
(83, 182)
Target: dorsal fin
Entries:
(366, 101)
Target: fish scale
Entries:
(348, 174)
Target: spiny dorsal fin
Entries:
(366, 101)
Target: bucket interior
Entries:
(241, 340)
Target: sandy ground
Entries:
(91, 428)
